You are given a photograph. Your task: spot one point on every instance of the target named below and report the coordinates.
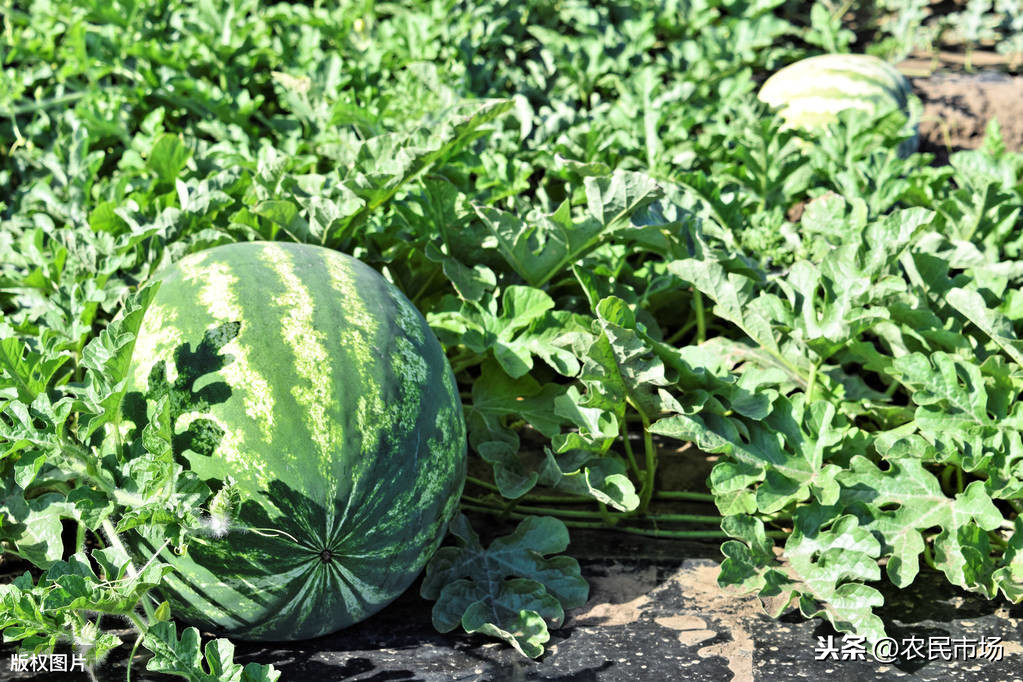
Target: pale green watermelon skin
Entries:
(343, 430)
(809, 93)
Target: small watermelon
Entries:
(810, 92)
(342, 431)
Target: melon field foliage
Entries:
(631, 263)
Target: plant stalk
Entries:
(647, 491)
(606, 515)
(683, 495)
(811, 382)
(632, 530)
(701, 320)
(628, 448)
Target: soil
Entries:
(655, 612)
(958, 107)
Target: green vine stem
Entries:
(464, 360)
(683, 495)
(892, 388)
(481, 483)
(628, 448)
(582, 499)
(425, 286)
(680, 332)
(509, 506)
(701, 320)
(632, 530)
(946, 477)
(683, 518)
(131, 656)
(811, 382)
(579, 513)
(115, 541)
(80, 538)
(84, 463)
(138, 622)
(142, 627)
(650, 450)
(53, 102)
(929, 556)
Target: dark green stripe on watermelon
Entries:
(343, 431)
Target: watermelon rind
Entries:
(343, 435)
(809, 93)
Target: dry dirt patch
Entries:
(685, 600)
(958, 107)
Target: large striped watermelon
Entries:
(343, 430)
(809, 93)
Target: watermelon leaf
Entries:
(184, 657)
(580, 473)
(542, 245)
(119, 594)
(1009, 578)
(41, 615)
(27, 371)
(510, 590)
(33, 526)
(496, 396)
(106, 359)
(526, 326)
